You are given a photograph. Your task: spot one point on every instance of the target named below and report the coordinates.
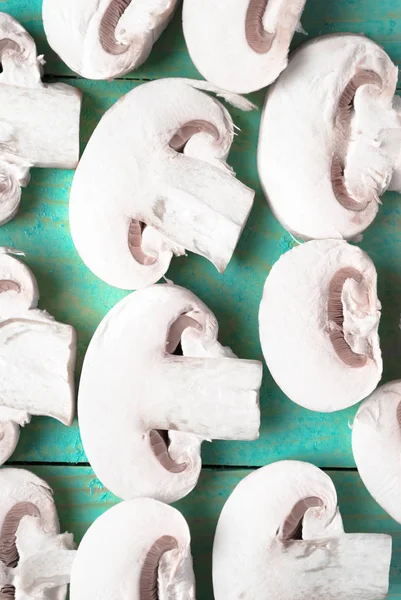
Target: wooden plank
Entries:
(81, 498)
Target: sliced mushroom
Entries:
(280, 537)
(139, 549)
(39, 123)
(330, 138)
(318, 325)
(103, 39)
(152, 409)
(165, 186)
(37, 356)
(35, 560)
(241, 46)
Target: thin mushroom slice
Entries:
(165, 187)
(240, 46)
(103, 39)
(139, 549)
(37, 356)
(39, 124)
(330, 138)
(35, 560)
(276, 561)
(153, 408)
(318, 325)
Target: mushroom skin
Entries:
(318, 325)
(330, 138)
(240, 46)
(39, 122)
(104, 39)
(139, 401)
(165, 186)
(292, 541)
(37, 356)
(138, 549)
(376, 443)
(35, 559)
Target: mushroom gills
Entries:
(148, 583)
(184, 133)
(7, 285)
(135, 231)
(257, 37)
(108, 25)
(292, 526)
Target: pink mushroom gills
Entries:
(376, 444)
(318, 325)
(330, 138)
(39, 123)
(35, 559)
(139, 549)
(280, 536)
(37, 356)
(241, 46)
(164, 184)
(151, 408)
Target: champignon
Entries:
(241, 46)
(103, 39)
(39, 123)
(330, 138)
(318, 324)
(376, 444)
(165, 185)
(144, 411)
(37, 356)
(280, 537)
(35, 560)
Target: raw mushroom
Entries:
(280, 537)
(35, 559)
(318, 325)
(330, 138)
(152, 409)
(37, 356)
(241, 46)
(139, 549)
(376, 444)
(39, 122)
(103, 39)
(164, 184)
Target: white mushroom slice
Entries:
(151, 408)
(318, 325)
(139, 549)
(330, 138)
(376, 444)
(165, 185)
(37, 356)
(39, 123)
(35, 560)
(280, 537)
(103, 39)
(241, 46)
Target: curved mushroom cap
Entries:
(34, 558)
(139, 549)
(318, 325)
(152, 409)
(103, 39)
(188, 201)
(376, 444)
(241, 46)
(280, 536)
(330, 137)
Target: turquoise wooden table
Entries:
(72, 294)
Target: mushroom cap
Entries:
(318, 325)
(139, 549)
(187, 201)
(143, 411)
(376, 444)
(324, 136)
(103, 39)
(241, 46)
